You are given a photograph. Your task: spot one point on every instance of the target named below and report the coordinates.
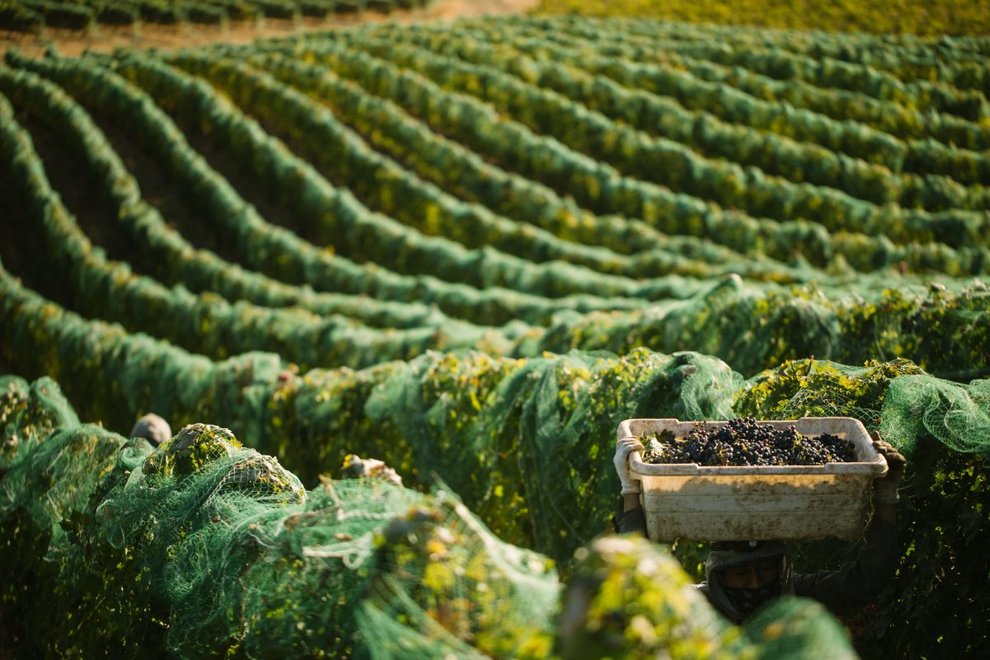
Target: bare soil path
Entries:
(106, 38)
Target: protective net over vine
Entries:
(471, 253)
(462, 418)
(203, 547)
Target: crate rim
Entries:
(876, 466)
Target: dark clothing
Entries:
(853, 585)
(630, 522)
(858, 581)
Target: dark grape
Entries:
(746, 442)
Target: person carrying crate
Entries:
(742, 576)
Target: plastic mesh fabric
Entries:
(202, 547)
(820, 388)
(796, 628)
(629, 598)
(28, 413)
(941, 427)
(956, 415)
(221, 549)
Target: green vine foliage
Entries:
(943, 518)
(623, 596)
(752, 329)
(496, 430)
(518, 424)
(201, 548)
(817, 388)
(628, 598)
(945, 531)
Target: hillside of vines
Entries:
(921, 17)
(88, 15)
(471, 251)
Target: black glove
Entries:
(885, 488)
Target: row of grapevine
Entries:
(662, 161)
(907, 24)
(777, 61)
(795, 161)
(215, 328)
(471, 122)
(298, 261)
(802, 39)
(33, 15)
(845, 45)
(58, 13)
(885, 116)
(957, 62)
(903, 139)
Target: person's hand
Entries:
(885, 488)
(624, 447)
(354, 467)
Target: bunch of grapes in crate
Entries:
(746, 442)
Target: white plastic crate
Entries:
(730, 503)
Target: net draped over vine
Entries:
(498, 429)
(204, 547)
(472, 253)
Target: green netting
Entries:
(628, 598)
(477, 421)
(203, 548)
(792, 628)
(754, 328)
(29, 412)
(896, 398)
(441, 413)
(820, 388)
(944, 520)
(167, 558)
(497, 430)
(956, 415)
(622, 599)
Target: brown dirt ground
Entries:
(106, 38)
